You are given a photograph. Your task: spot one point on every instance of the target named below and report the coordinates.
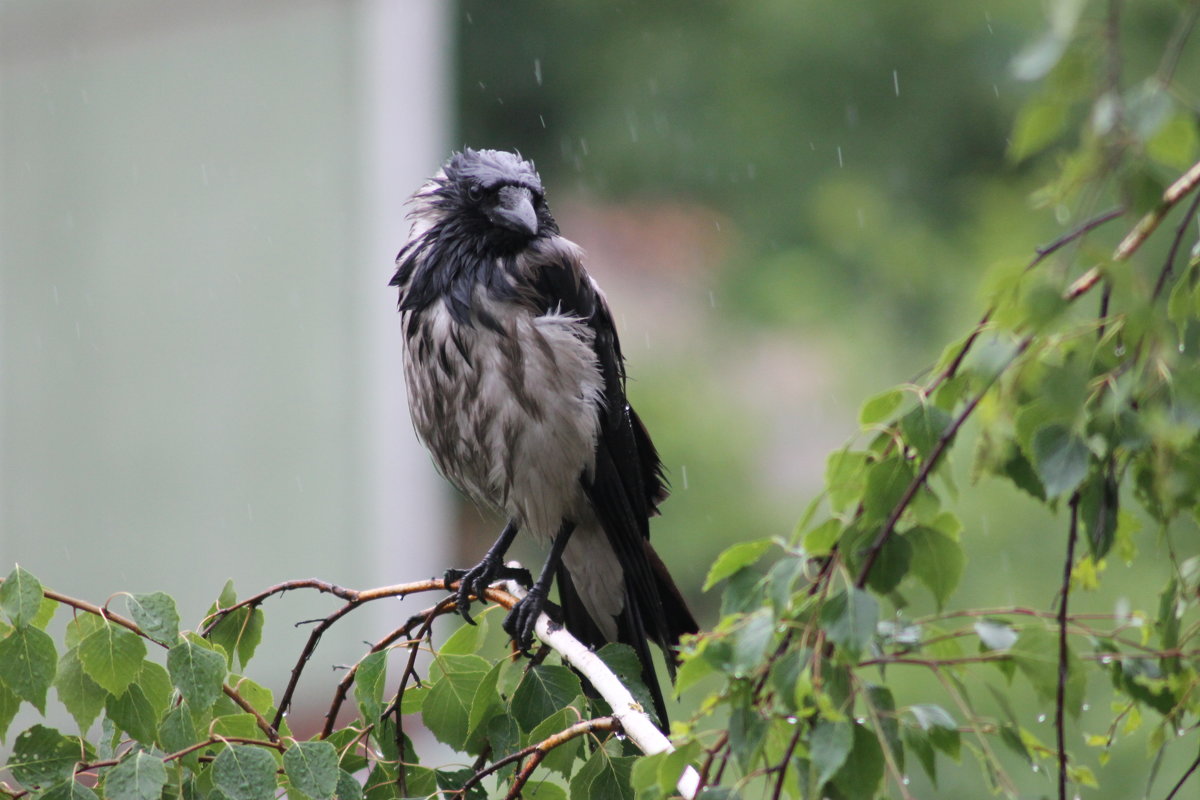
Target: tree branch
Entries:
(1060, 697)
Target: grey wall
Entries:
(199, 376)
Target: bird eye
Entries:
(474, 192)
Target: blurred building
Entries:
(199, 363)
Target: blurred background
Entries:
(791, 205)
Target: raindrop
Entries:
(542, 120)
(583, 146)
(905, 780)
(1106, 659)
(861, 720)
(996, 90)
(683, 474)
(988, 18)
(792, 720)
(1086, 706)
(861, 222)
(537, 71)
(54, 288)
(1181, 347)
(896, 81)
(204, 174)
(1120, 349)
(712, 298)
(840, 162)
(482, 86)
(470, 19)
(1041, 717)
(1036, 768)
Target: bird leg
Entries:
(519, 623)
(473, 581)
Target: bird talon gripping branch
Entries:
(516, 385)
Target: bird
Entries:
(516, 386)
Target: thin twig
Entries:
(355, 600)
(1060, 697)
(1169, 263)
(343, 687)
(889, 526)
(1179, 784)
(537, 752)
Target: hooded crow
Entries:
(516, 385)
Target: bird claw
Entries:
(474, 582)
(522, 619)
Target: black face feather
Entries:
(487, 206)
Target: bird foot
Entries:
(474, 581)
(521, 620)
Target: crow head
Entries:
(471, 220)
(494, 198)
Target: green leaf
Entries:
(243, 726)
(1040, 122)
(828, 748)
(891, 565)
(177, 731)
(447, 708)
(42, 756)
(348, 787)
(156, 615)
(1099, 510)
(9, 705)
(83, 697)
(849, 619)
(369, 680)
(1061, 459)
(939, 726)
(28, 663)
(734, 558)
(156, 684)
(603, 776)
(112, 657)
(923, 427)
(244, 773)
(20, 596)
(879, 408)
(845, 478)
(543, 790)
(542, 691)
(887, 481)
(197, 672)
(133, 714)
(238, 633)
(750, 640)
(1036, 656)
(466, 638)
(561, 759)
(917, 742)
(1176, 142)
(937, 561)
(863, 770)
(820, 540)
(70, 789)
(139, 776)
(312, 767)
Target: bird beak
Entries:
(514, 210)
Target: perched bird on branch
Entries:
(516, 385)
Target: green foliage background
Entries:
(895, 173)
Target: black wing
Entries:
(625, 489)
